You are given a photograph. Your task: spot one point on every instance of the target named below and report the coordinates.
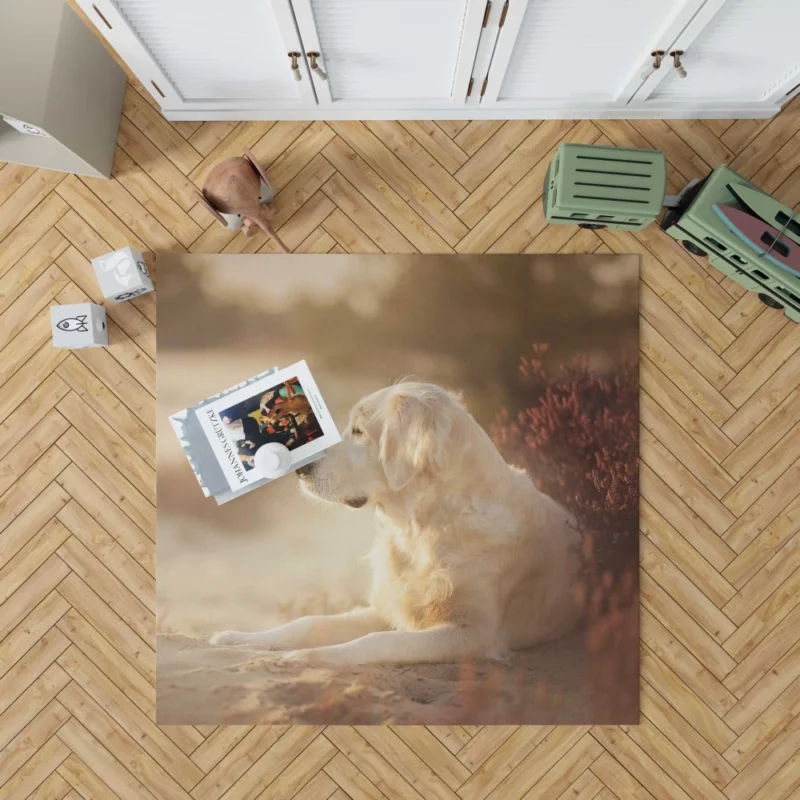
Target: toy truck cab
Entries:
(701, 231)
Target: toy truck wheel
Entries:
(592, 226)
(693, 248)
(770, 301)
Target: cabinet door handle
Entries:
(313, 56)
(295, 67)
(657, 55)
(676, 61)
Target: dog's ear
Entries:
(414, 436)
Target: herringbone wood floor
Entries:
(720, 547)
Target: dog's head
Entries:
(395, 438)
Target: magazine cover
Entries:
(284, 407)
(198, 449)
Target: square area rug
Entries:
(481, 509)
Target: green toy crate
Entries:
(696, 225)
(605, 187)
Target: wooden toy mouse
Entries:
(238, 193)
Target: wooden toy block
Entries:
(78, 325)
(122, 275)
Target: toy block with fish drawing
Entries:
(78, 325)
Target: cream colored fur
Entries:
(470, 560)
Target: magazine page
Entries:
(285, 407)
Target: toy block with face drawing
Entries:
(122, 275)
(78, 325)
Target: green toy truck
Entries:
(696, 225)
(609, 187)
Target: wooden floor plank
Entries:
(111, 625)
(759, 606)
(680, 444)
(684, 556)
(427, 169)
(31, 738)
(638, 763)
(684, 592)
(29, 704)
(120, 707)
(160, 132)
(30, 267)
(682, 410)
(30, 231)
(372, 224)
(108, 587)
(155, 164)
(404, 216)
(437, 143)
(119, 744)
(680, 733)
(92, 770)
(109, 443)
(33, 628)
(508, 173)
(494, 152)
(154, 199)
(12, 176)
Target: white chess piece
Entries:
(273, 460)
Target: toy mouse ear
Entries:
(257, 167)
(214, 213)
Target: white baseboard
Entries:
(750, 111)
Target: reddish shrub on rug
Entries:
(577, 436)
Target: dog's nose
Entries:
(305, 470)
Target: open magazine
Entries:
(220, 435)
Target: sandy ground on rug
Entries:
(201, 684)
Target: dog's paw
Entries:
(229, 637)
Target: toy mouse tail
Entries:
(267, 228)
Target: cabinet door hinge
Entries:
(487, 12)
(503, 15)
(485, 83)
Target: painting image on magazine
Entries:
(285, 408)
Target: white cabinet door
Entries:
(734, 52)
(391, 54)
(554, 54)
(213, 55)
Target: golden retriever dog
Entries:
(470, 559)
